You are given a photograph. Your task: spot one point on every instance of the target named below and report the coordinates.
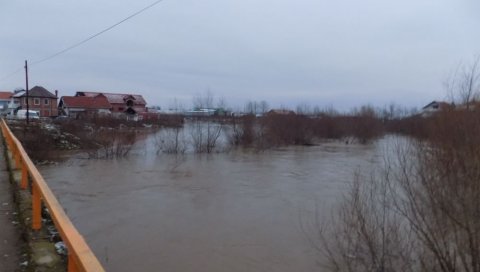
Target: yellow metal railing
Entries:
(80, 256)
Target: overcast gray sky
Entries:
(341, 53)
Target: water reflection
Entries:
(235, 211)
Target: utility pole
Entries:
(26, 90)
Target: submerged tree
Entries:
(422, 212)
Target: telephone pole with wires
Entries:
(26, 90)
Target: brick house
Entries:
(84, 106)
(122, 104)
(39, 99)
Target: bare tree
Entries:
(421, 212)
(112, 143)
(464, 83)
(304, 108)
(222, 103)
(256, 107)
(365, 235)
(176, 106)
(205, 135)
(171, 140)
(251, 107)
(263, 107)
(241, 130)
(203, 101)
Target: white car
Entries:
(22, 114)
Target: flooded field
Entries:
(235, 211)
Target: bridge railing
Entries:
(80, 256)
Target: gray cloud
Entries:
(338, 53)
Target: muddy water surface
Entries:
(236, 211)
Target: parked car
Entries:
(22, 114)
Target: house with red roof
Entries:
(84, 106)
(122, 104)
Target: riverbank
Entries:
(49, 141)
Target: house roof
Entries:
(437, 105)
(117, 98)
(37, 91)
(19, 94)
(281, 111)
(5, 95)
(97, 102)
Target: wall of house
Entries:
(120, 108)
(4, 105)
(47, 107)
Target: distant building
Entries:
(14, 103)
(200, 113)
(84, 106)
(5, 98)
(39, 99)
(280, 112)
(204, 112)
(130, 105)
(436, 106)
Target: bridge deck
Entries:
(9, 234)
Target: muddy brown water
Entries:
(235, 211)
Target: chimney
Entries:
(56, 93)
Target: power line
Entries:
(11, 74)
(95, 35)
(85, 40)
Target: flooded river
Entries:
(235, 211)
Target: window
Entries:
(46, 101)
(25, 101)
(36, 101)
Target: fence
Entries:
(80, 256)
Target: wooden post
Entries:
(72, 264)
(16, 155)
(9, 144)
(24, 180)
(36, 208)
